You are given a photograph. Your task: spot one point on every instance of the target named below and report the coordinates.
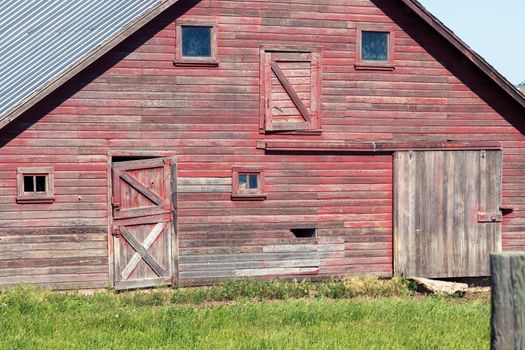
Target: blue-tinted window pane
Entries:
(196, 41)
(29, 184)
(254, 183)
(243, 182)
(374, 46)
(40, 183)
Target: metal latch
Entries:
(490, 217)
(116, 232)
(116, 206)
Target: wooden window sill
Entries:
(248, 197)
(377, 67)
(314, 132)
(35, 200)
(195, 63)
(309, 240)
(344, 146)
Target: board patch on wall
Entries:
(267, 260)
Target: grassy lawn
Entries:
(36, 319)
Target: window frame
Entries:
(361, 64)
(248, 195)
(181, 60)
(35, 197)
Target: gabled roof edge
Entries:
(469, 53)
(85, 61)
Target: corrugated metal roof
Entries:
(41, 39)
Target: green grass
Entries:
(39, 319)
(349, 287)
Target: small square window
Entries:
(243, 182)
(196, 44)
(35, 185)
(29, 183)
(41, 183)
(374, 46)
(196, 41)
(253, 182)
(247, 184)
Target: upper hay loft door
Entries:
(290, 90)
(143, 232)
(447, 217)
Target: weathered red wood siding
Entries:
(134, 99)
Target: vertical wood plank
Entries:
(438, 201)
(450, 212)
(459, 214)
(175, 236)
(110, 238)
(421, 196)
(473, 239)
(401, 213)
(508, 301)
(396, 215)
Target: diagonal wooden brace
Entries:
(136, 184)
(143, 252)
(291, 92)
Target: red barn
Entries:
(185, 142)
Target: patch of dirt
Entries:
(478, 293)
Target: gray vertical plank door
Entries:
(441, 202)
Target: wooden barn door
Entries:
(143, 238)
(290, 86)
(447, 217)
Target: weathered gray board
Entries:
(272, 260)
(508, 301)
(447, 218)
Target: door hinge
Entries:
(116, 232)
(116, 206)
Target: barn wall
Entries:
(348, 198)
(136, 99)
